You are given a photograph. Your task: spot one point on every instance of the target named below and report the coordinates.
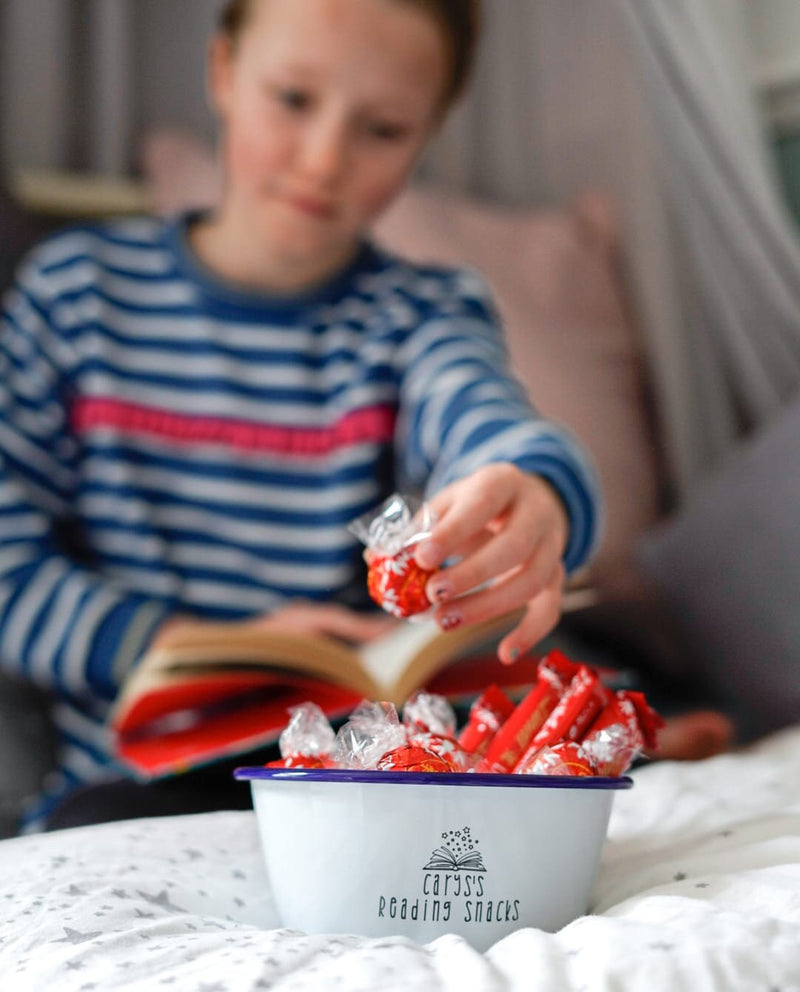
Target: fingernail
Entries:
(428, 554)
(440, 592)
(450, 621)
(513, 654)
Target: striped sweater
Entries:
(170, 443)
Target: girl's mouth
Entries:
(311, 207)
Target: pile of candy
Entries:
(569, 723)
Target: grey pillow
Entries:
(27, 747)
(729, 567)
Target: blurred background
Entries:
(81, 81)
(625, 172)
(568, 97)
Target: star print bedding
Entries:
(699, 889)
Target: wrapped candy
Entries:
(446, 748)
(307, 734)
(580, 704)
(486, 715)
(619, 734)
(394, 579)
(428, 712)
(569, 723)
(372, 730)
(413, 758)
(555, 672)
(300, 761)
(564, 758)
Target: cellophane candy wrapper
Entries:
(307, 741)
(307, 732)
(622, 731)
(372, 730)
(429, 712)
(391, 533)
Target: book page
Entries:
(386, 659)
(413, 652)
(216, 648)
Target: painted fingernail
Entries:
(513, 654)
(450, 621)
(441, 591)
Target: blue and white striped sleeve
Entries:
(461, 409)
(61, 625)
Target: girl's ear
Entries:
(220, 71)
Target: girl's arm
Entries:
(517, 497)
(62, 625)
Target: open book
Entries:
(226, 691)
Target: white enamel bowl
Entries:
(424, 854)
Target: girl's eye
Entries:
(293, 99)
(385, 131)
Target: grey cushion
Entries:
(729, 565)
(27, 750)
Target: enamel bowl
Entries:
(424, 854)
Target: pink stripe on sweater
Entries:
(371, 424)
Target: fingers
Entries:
(506, 592)
(542, 603)
(330, 619)
(494, 555)
(542, 614)
(462, 511)
(338, 621)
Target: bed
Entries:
(699, 889)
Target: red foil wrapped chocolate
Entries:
(626, 725)
(486, 715)
(413, 758)
(512, 739)
(391, 534)
(397, 583)
(302, 761)
(578, 707)
(447, 748)
(565, 758)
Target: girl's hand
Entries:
(330, 619)
(509, 529)
(301, 616)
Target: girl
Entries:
(203, 405)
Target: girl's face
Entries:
(326, 106)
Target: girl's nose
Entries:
(325, 152)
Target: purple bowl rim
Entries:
(494, 779)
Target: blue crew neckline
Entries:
(228, 293)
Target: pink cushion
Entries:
(570, 335)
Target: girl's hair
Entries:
(458, 20)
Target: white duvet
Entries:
(699, 889)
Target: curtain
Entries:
(651, 101)
(740, 259)
(81, 80)
(556, 107)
